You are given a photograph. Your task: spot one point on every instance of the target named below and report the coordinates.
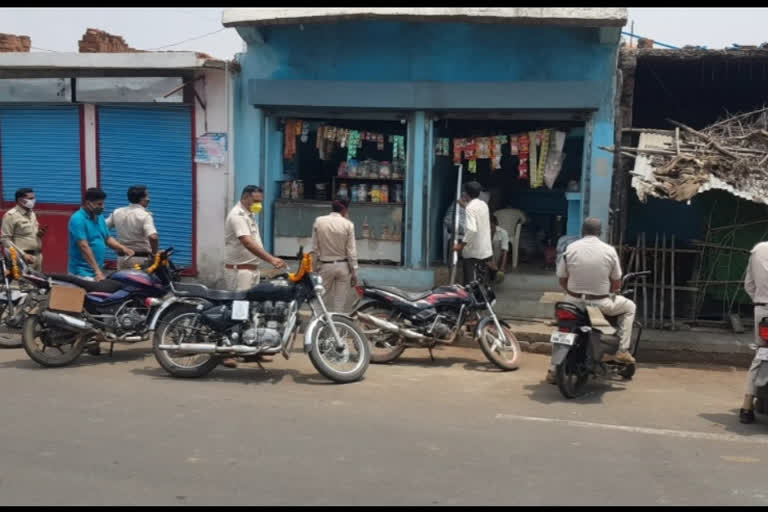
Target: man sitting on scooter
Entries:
(590, 270)
(756, 285)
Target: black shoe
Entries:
(94, 350)
(746, 416)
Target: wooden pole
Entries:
(672, 283)
(655, 280)
(663, 278)
(643, 268)
(637, 266)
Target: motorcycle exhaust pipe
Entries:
(66, 322)
(210, 348)
(391, 327)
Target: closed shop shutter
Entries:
(40, 148)
(151, 146)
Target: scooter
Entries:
(761, 353)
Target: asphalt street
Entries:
(454, 432)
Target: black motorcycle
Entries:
(395, 319)
(196, 327)
(63, 321)
(13, 298)
(580, 342)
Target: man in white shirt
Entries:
(135, 228)
(590, 270)
(756, 286)
(476, 247)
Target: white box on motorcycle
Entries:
(66, 298)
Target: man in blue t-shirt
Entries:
(89, 238)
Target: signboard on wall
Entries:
(211, 149)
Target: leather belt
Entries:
(142, 254)
(247, 266)
(587, 296)
(761, 304)
(332, 262)
(32, 252)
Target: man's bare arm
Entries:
(88, 256)
(154, 243)
(257, 250)
(118, 247)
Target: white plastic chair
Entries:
(512, 220)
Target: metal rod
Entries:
(637, 268)
(455, 254)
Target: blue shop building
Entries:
(385, 105)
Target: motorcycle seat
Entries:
(104, 286)
(412, 296)
(203, 292)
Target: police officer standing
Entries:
(135, 228)
(333, 242)
(756, 285)
(21, 230)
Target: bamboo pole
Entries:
(663, 278)
(645, 281)
(655, 280)
(672, 282)
(637, 266)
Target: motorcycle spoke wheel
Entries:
(49, 347)
(9, 337)
(344, 359)
(181, 330)
(385, 346)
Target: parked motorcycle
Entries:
(761, 353)
(13, 298)
(197, 326)
(396, 319)
(583, 337)
(114, 310)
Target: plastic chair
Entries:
(512, 220)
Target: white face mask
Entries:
(28, 203)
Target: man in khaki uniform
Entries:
(333, 242)
(756, 285)
(135, 228)
(590, 270)
(21, 230)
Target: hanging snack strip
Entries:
(289, 150)
(533, 141)
(538, 180)
(524, 147)
(458, 149)
(496, 143)
(353, 144)
(470, 153)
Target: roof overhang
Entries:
(34, 64)
(575, 16)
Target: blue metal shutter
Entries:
(151, 146)
(40, 148)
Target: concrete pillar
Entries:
(414, 191)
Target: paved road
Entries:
(450, 433)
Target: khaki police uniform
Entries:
(333, 242)
(134, 225)
(20, 227)
(241, 268)
(756, 285)
(590, 264)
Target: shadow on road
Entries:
(730, 423)
(442, 361)
(85, 359)
(243, 375)
(549, 393)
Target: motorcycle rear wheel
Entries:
(507, 358)
(36, 340)
(172, 362)
(324, 354)
(385, 347)
(570, 381)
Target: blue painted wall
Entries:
(403, 51)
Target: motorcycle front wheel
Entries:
(177, 326)
(340, 364)
(503, 350)
(385, 346)
(9, 337)
(48, 346)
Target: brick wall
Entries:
(99, 41)
(12, 43)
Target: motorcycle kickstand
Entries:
(262, 368)
(431, 357)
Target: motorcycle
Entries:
(761, 353)
(197, 326)
(583, 337)
(13, 299)
(114, 310)
(397, 319)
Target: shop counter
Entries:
(378, 228)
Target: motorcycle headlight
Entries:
(317, 283)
